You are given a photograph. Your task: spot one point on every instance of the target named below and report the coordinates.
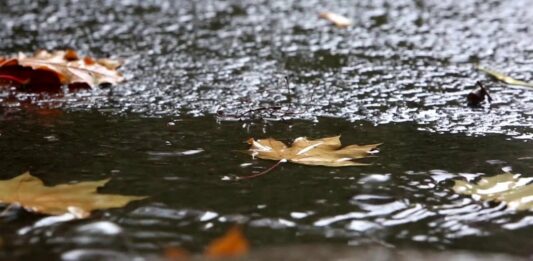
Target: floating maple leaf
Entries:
(504, 78)
(45, 71)
(79, 199)
(508, 188)
(324, 152)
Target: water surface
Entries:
(183, 164)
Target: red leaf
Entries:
(30, 80)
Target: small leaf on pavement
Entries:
(502, 77)
(45, 71)
(336, 19)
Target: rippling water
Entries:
(398, 76)
(404, 199)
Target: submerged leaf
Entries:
(507, 188)
(79, 198)
(232, 244)
(324, 152)
(504, 78)
(337, 19)
(45, 71)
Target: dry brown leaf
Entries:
(232, 244)
(79, 198)
(511, 189)
(337, 19)
(324, 152)
(49, 71)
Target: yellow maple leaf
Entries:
(79, 198)
(323, 152)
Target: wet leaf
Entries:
(323, 152)
(508, 188)
(232, 244)
(337, 19)
(504, 78)
(79, 198)
(45, 71)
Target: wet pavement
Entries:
(401, 61)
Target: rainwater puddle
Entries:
(403, 199)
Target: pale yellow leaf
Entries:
(511, 189)
(336, 19)
(323, 152)
(79, 198)
(502, 77)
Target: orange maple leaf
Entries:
(45, 71)
(231, 244)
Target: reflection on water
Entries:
(405, 198)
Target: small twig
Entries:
(262, 172)
(480, 84)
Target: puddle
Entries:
(405, 198)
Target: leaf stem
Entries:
(262, 172)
